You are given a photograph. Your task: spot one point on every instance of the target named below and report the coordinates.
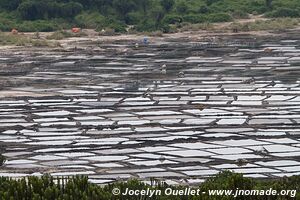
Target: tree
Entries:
(158, 15)
(102, 5)
(71, 9)
(203, 9)
(144, 5)
(210, 2)
(9, 4)
(182, 7)
(167, 4)
(123, 7)
(269, 3)
(32, 10)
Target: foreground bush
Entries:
(78, 188)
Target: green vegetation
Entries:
(23, 40)
(278, 24)
(140, 15)
(284, 12)
(10, 39)
(59, 35)
(78, 188)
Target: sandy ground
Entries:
(219, 29)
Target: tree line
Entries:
(144, 15)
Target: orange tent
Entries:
(268, 50)
(75, 30)
(14, 31)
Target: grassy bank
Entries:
(78, 188)
(278, 24)
(23, 40)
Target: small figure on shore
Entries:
(184, 181)
(148, 95)
(241, 162)
(164, 69)
(145, 41)
(249, 81)
(162, 159)
(235, 30)
(273, 83)
(181, 74)
(99, 97)
(263, 151)
(37, 35)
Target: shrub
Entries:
(70, 9)
(151, 26)
(59, 35)
(210, 2)
(91, 20)
(284, 12)
(194, 18)
(77, 188)
(39, 43)
(196, 27)
(37, 26)
(182, 7)
(118, 27)
(10, 39)
(9, 4)
(167, 4)
(146, 25)
(7, 21)
(134, 18)
(238, 14)
(33, 10)
(172, 19)
(203, 9)
(165, 28)
(219, 17)
(256, 7)
(20, 40)
(6, 25)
